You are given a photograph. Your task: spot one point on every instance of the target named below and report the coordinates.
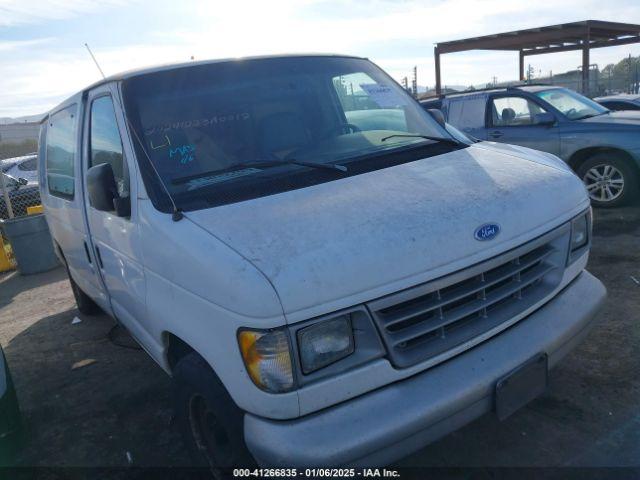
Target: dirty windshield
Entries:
(228, 131)
(573, 105)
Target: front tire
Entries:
(610, 180)
(210, 422)
(84, 302)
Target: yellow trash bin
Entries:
(35, 209)
(7, 260)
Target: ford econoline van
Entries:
(329, 277)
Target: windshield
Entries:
(460, 136)
(203, 126)
(573, 105)
(9, 181)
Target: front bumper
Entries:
(389, 423)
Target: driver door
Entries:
(512, 119)
(115, 240)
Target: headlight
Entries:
(267, 358)
(579, 232)
(324, 343)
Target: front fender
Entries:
(202, 291)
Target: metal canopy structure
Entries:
(566, 37)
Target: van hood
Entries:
(340, 243)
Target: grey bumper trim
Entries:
(389, 423)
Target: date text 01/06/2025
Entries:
(316, 472)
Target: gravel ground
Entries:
(114, 408)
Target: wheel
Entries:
(209, 420)
(83, 301)
(610, 180)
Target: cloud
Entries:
(63, 73)
(21, 12)
(395, 34)
(18, 44)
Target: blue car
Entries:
(601, 146)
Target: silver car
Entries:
(622, 101)
(22, 167)
(600, 145)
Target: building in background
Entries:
(19, 136)
(19, 132)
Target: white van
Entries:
(323, 289)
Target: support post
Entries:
(436, 54)
(585, 63)
(521, 66)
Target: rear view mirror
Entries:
(103, 191)
(545, 118)
(438, 116)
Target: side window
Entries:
(514, 111)
(611, 105)
(467, 112)
(61, 152)
(623, 106)
(105, 144)
(30, 165)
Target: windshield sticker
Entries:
(184, 152)
(383, 95)
(162, 142)
(223, 177)
(198, 122)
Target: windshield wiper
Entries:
(262, 164)
(426, 137)
(291, 161)
(591, 115)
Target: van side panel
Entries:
(66, 220)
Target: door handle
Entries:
(86, 250)
(99, 258)
(496, 134)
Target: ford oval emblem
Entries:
(488, 231)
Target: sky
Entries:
(43, 59)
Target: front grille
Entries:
(436, 317)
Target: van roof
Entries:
(171, 66)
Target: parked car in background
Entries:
(601, 146)
(342, 287)
(22, 194)
(21, 167)
(620, 102)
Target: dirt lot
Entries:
(116, 410)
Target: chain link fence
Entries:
(19, 190)
(18, 186)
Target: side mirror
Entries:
(23, 181)
(103, 191)
(545, 118)
(438, 116)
